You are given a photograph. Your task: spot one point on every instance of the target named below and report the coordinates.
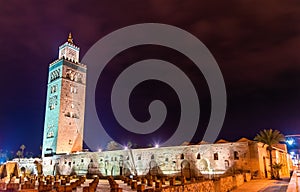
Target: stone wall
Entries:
(27, 164)
(259, 160)
(238, 180)
(190, 161)
(205, 186)
(247, 177)
(224, 184)
(229, 183)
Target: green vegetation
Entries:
(270, 137)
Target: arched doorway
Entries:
(203, 165)
(186, 169)
(23, 170)
(153, 168)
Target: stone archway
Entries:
(153, 168)
(203, 165)
(186, 169)
(115, 170)
(23, 170)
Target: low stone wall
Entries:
(293, 184)
(226, 184)
(238, 180)
(205, 186)
(247, 177)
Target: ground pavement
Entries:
(256, 185)
(264, 185)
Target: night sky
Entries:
(256, 44)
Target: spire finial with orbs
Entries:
(70, 38)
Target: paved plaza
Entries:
(264, 185)
(255, 185)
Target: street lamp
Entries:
(290, 141)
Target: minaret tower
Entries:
(64, 118)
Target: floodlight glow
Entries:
(125, 148)
(156, 146)
(290, 141)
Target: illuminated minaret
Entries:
(64, 118)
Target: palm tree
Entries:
(277, 167)
(19, 154)
(22, 147)
(270, 137)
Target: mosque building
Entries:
(62, 151)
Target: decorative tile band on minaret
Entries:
(65, 102)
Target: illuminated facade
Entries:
(63, 139)
(293, 144)
(191, 161)
(65, 103)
